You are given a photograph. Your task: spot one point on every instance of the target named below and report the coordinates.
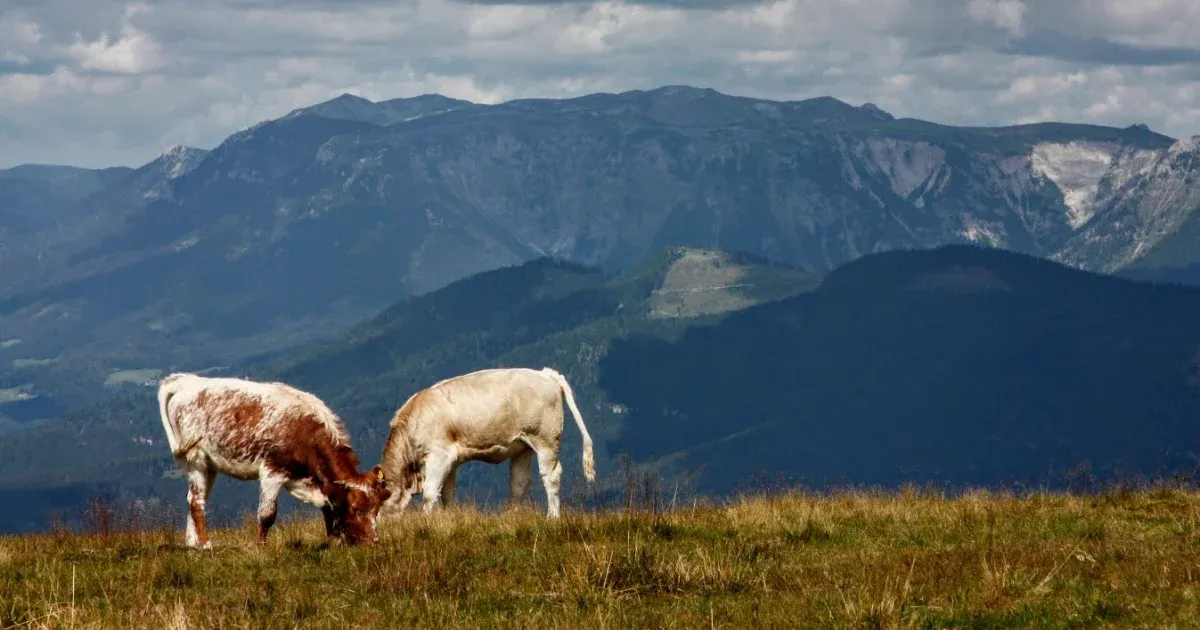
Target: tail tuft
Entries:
(589, 458)
(589, 461)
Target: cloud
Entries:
(134, 52)
(679, 4)
(1044, 43)
(113, 82)
(1008, 15)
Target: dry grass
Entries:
(850, 560)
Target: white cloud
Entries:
(16, 58)
(19, 31)
(1037, 88)
(767, 56)
(1008, 15)
(106, 81)
(504, 21)
(25, 88)
(18, 38)
(134, 52)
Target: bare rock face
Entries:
(1140, 211)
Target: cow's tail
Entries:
(166, 389)
(589, 459)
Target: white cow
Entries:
(284, 437)
(489, 415)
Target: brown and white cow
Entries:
(489, 415)
(286, 438)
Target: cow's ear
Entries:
(377, 476)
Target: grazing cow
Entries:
(489, 415)
(284, 437)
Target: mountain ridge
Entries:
(198, 266)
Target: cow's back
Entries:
(238, 424)
(482, 408)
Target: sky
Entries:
(105, 82)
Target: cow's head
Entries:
(357, 502)
(409, 485)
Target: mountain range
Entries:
(256, 257)
(305, 224)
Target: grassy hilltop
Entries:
(848, 560)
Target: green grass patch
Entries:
(19, 364)
(132, 377)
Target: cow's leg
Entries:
(200, 481)
(268, 504)
(447, 493)
(306, 490)
(331, 533)
(551, 471)
(520, 471)
(437, 467)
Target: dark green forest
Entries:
(959, 366)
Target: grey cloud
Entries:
(674, 4)
(35, 66)
(1047, 43)
(62, 20)
(1075, 31)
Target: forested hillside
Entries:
(959, 365)
(544, 312)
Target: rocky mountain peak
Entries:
(383, 113)
(876, 112)
(181, 159)
(343, 106)
(347, 98)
